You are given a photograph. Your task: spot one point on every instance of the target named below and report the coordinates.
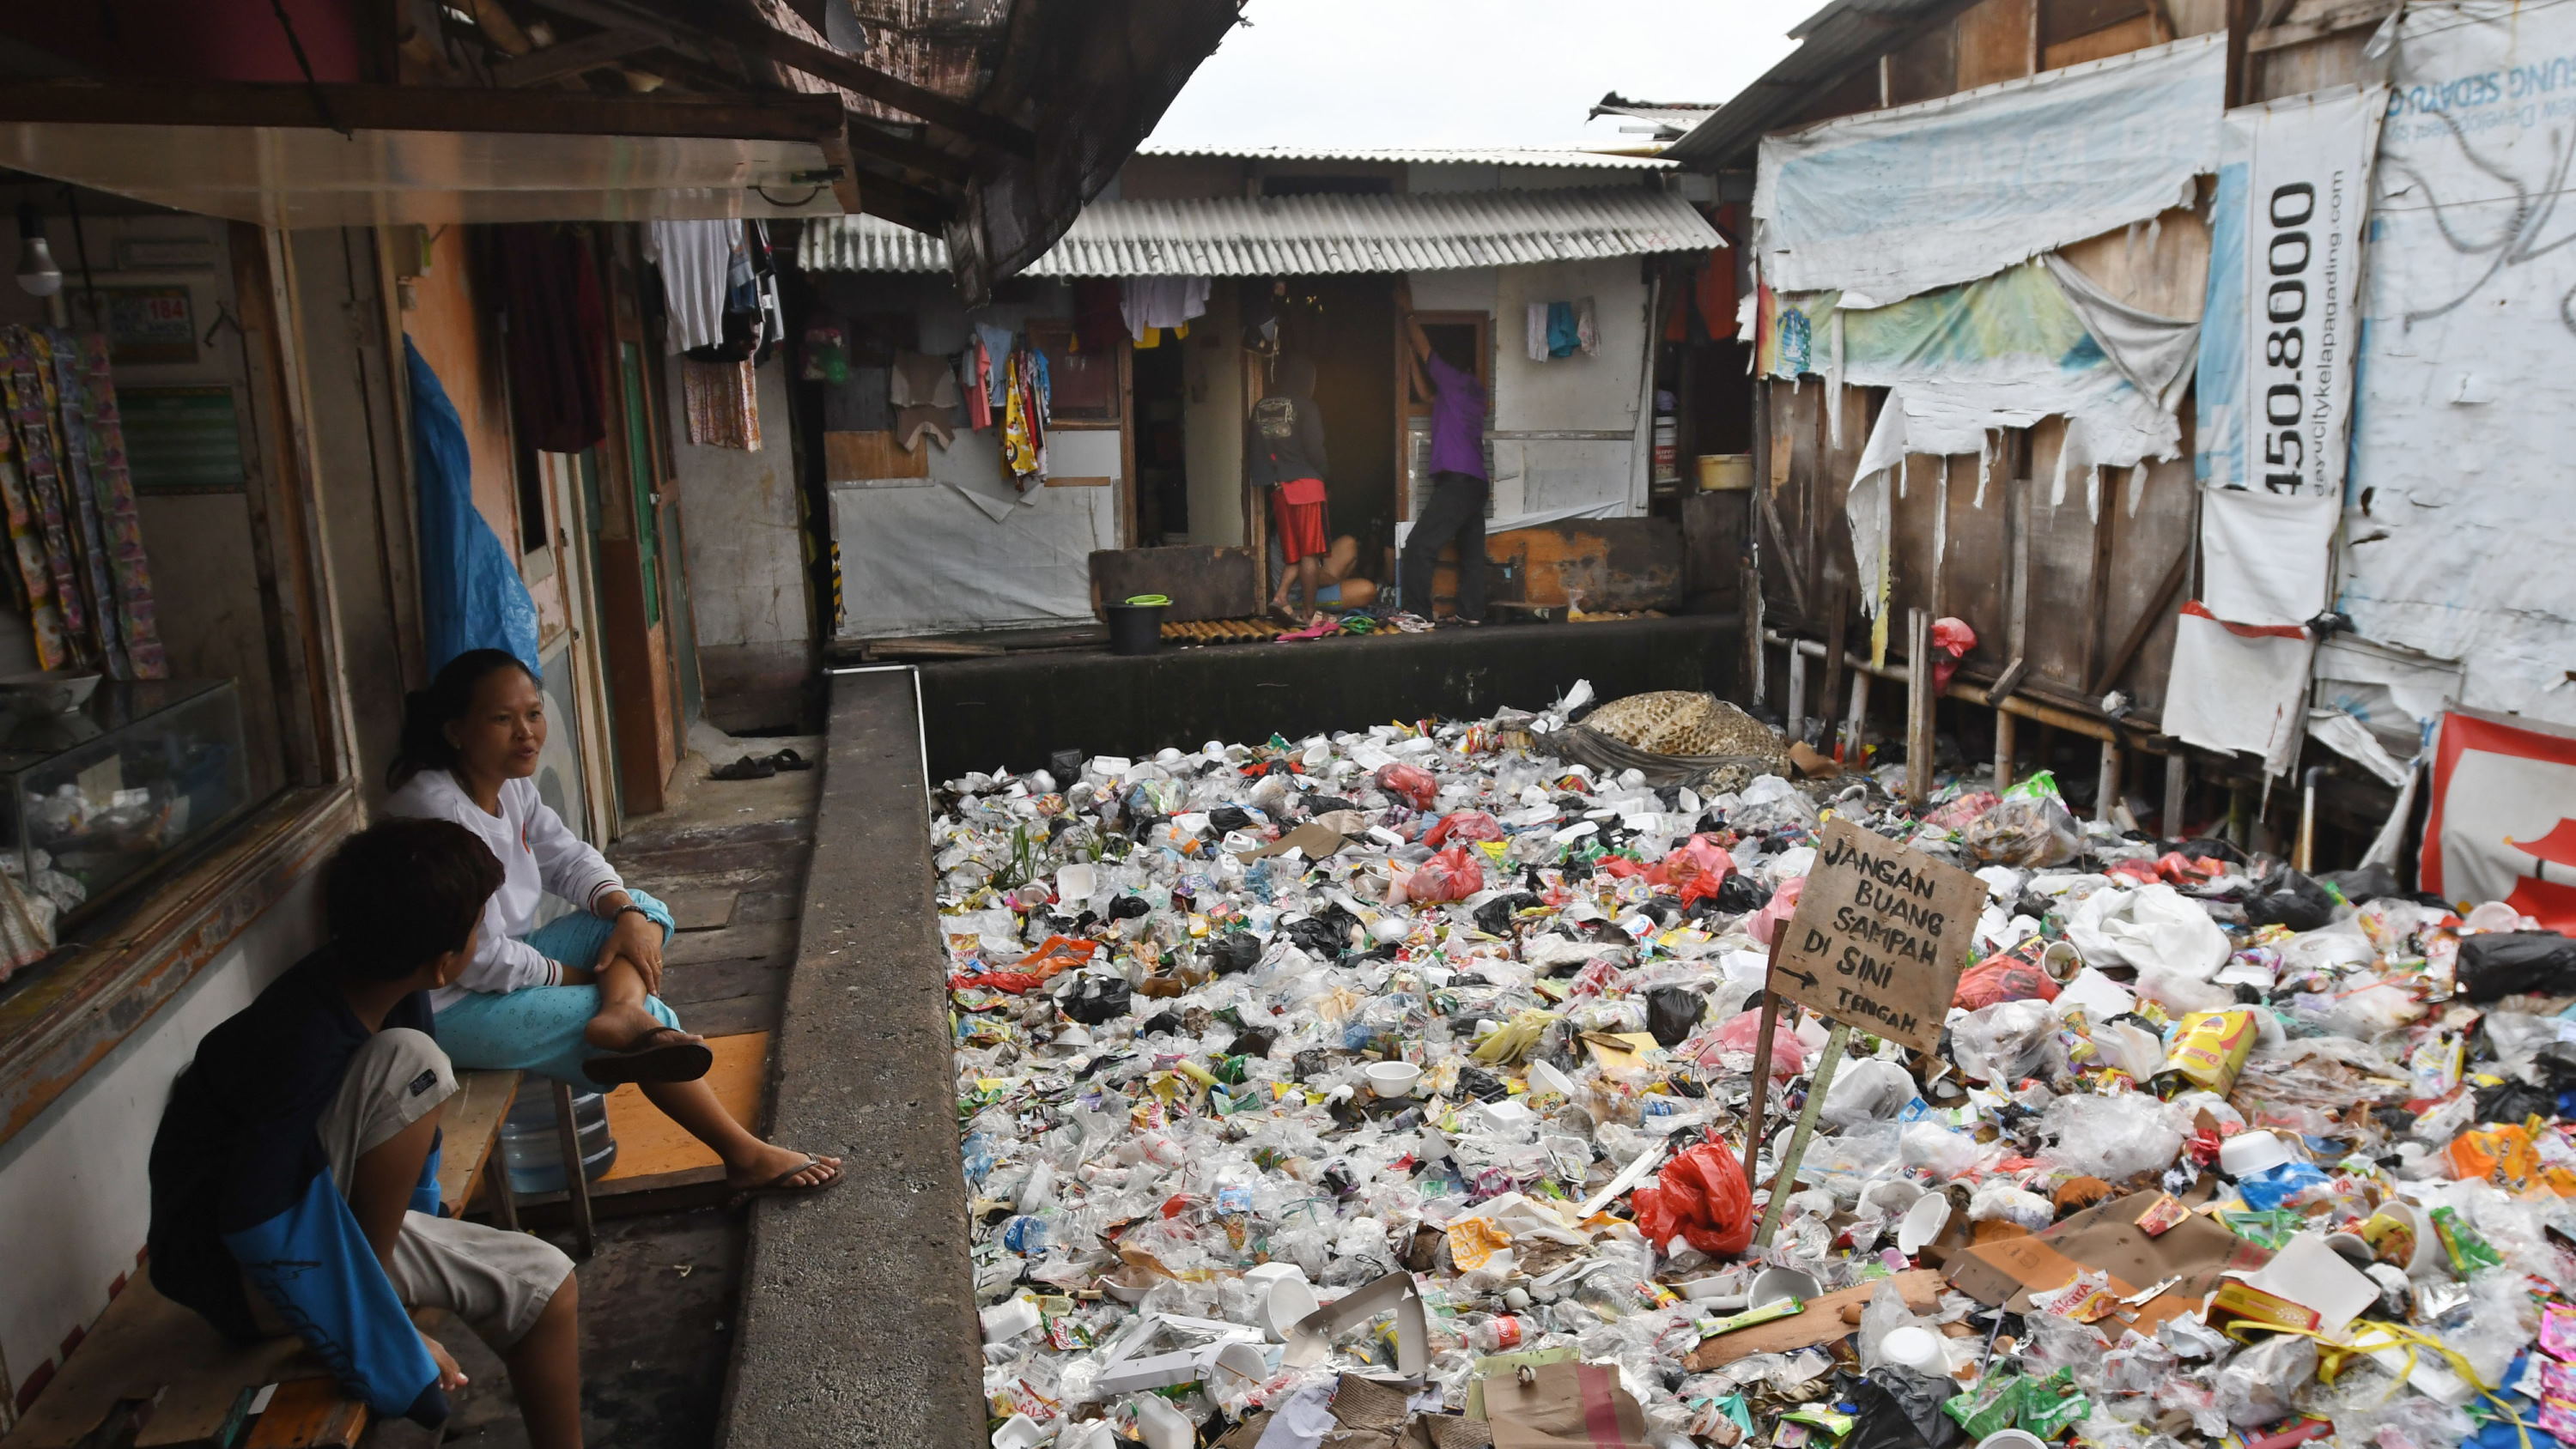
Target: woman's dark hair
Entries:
(428, 712)
(403, 893)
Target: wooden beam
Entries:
(911, 154)
(906, 205)
(814, 119)
(572, 57)
(2300, 30)
(2148, 618)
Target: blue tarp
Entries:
(471, 596)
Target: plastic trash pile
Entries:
(1389, 1088)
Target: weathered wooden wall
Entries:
(2090, 576)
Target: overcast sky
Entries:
(1466, 72)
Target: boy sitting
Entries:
(295, 1175)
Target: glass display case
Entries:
(95, 796)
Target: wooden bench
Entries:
(188, 1387)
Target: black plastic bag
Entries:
(1229, 817)
(1494, 917)
(1320, 936)
(1671, 1012)
(1160, 1022)
(1124, 908)
(2500, 963)
(2290, 899)
(1097, 999)
(2365, 884)
(1233, 951)
(1898, 1409)
(2512, 1101)
(1740, 893)
(1326, 805)
(1482, 1085)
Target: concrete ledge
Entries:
(858, 1323)
(1012, 712)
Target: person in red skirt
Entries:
(1284, 439)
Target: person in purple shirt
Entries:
(1456, 509)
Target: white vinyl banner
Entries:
(2460, 523)
(2277, 340)
(1892, 203)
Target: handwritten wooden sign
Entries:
(1879, 936)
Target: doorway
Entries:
(1159, 377)
(1345, 325)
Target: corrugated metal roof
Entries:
(1832, 42)
(1308, 235)
(1424, 155)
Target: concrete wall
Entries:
(1212, 412)
(74, 1189)
(744, 558)
(1569, 432)
(353, 367)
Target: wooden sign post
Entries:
(1878, 938)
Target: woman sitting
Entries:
(574, 999)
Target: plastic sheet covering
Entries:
(2462, 305)
(470, 591)
(920, 560)
(1893, 203)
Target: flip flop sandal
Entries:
(789, 760)
(749, 767)
(679, 1061)
(780, 1186)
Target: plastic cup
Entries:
(2248, 1153)
(1922, 1223)
(1393, 1079)
(1914, 1348)
(1772, 1285)
(2012, 1439)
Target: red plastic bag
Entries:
(1452, 875)
(2143, 872)
(1700, 1197)
(1783, 904)
(1410, 783)
(2010, 975)
(1950, 639)
(1696, 868)
(1054, 955)
(1462, 825)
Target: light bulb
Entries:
(37, 274)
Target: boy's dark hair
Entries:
(400, 894)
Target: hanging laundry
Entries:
(1098, 324)
(998, 342)
(557, 333)
(1559, 330)
(977, 365)
(1025, 417)
(722, 404)
(924, 392)
(1161, 302)
(695, 259)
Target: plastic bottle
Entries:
(1502, 1333)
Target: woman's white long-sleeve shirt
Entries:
(538, 854)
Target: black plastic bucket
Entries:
(1135, 628)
